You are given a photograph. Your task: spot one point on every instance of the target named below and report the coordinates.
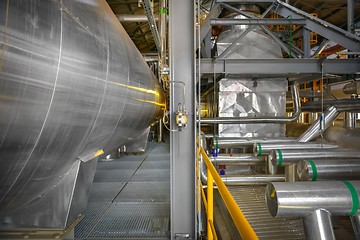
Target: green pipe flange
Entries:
(280, 157)
(355, 198)
(314, 169)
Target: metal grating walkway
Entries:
(251, 200)
(130, 198)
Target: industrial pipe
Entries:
(243, 142)
(355, 221)
(241, 180)
(134, 18)
(320, 125)
(303, 198)
(266, 147)
(266, 119)
(328, 169)
(237, 159)
(260, 179)
(318, 225)
(281, 157)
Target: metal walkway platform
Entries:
(130, 198)
(251, 200)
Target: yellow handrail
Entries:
(213, 231)
(210, 206)
(240, 221)
(203, 196)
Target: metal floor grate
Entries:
(93, 213)
(118, 164)
(113, 175)
(134, 220)
(130, 198)
(160, 164)
(251, 200)
(151, 175)
(145, 192)
(104, 191)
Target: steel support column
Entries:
(182, 144)
(350, 15)
(306, 43)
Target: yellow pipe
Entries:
(213, 229)
(210, 206)
(240, 221)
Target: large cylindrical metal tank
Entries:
(72, 85)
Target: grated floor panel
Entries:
(145, 192)
(105, 191)
(251, 200)
(152, 175)
(134, 220)
(130, 197)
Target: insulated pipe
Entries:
(133, 18)
(237, 159)
(281, 157)
(355, 221)
(303, 198)
(320, 125)
(318, 225)
(241, 180)
(329, 169)
(266, 147)
(265, 119)
(242, 142)
(252, 179)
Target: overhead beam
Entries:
(245, 1)
(280, 66)
(205, 26)
(325, 29)
(256, 21)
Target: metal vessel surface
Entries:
(72, 85)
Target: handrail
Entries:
(240, 221)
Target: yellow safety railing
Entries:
(240, 221)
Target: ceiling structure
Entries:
(332, 11)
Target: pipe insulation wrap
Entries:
(266, 147)
(329, 169)
(280, 157)
(340, 198)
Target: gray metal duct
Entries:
(72, 86)
(243, 142)
(303, 198)
(260, 149)
(267, 119)
(281, 157)
(329, 169)
(320, 126)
